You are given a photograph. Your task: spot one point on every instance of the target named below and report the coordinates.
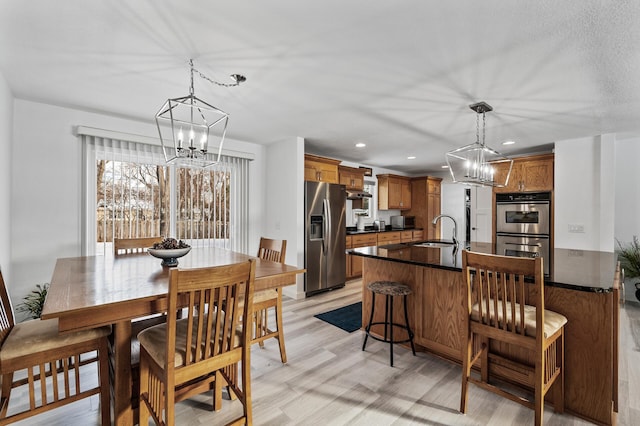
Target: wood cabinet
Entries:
(354, 263)
(389, 238)
(425, 204)
(417, 235)
(529, 174)
(351, 177)
(394, 192)
(320, 169)
(406, 236)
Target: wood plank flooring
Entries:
(329, 380)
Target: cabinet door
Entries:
(395, 194)
(514, 183)
(356, 266)
(405, 190)
(406, 236)
(328, 173)
(537, 175)
(310, 173)
(388, 238)
(417, 235)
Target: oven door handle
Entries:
(523, 244)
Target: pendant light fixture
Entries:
(185, 124)
(474, 164)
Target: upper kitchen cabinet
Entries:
(529, 174)
(320, 169)
(352, 178)
(394, 192)
(425, 204)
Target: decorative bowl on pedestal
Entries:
(169, 256)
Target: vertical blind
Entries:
(131, 192)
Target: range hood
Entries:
(357, 195)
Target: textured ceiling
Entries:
(398, 76)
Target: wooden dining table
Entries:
(91, 291)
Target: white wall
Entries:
(46, 186)
(284, 203)
(627, 197)
(584, 192)
(452, 204)
(6, 130)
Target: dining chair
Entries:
(55, 374)
(274, 250)
(133, 245)
(187, 356)
(504, 303)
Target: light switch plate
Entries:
(576, 228)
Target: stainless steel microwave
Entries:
(403, 222)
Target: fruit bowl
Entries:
(169, 256)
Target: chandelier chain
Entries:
(213, 81)
(484, 127)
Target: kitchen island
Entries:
(580, 286)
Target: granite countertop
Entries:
(574, 269)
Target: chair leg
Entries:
(558, 402)
(246, 388)
(283, 352)
(538, 389)
(143, 409)
(7, 384)
(406, 321)
(217, 392)
(368, 327)
(390, 323)
(466, 371)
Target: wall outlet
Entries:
(576, 228)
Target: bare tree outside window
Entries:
(133, 200)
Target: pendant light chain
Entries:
(236, 77)
(191, 87)
(478, 128)
(484, 127)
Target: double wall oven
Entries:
(523, 223)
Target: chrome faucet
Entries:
(455, 226)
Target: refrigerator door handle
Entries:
(326, 211)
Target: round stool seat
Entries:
(389, 288)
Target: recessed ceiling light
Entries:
(411, 157)
(508, 142)
(445, 166)
(360, 145)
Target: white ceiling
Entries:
(397, 75)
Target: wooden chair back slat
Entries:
(7, 320)
(498, 287)
(274, 250)
(133, 245)
(213, 316)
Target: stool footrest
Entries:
(402, 326)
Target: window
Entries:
(131, 192)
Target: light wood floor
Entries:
(330, 381)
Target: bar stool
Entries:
(389, 289)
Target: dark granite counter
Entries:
(369, 230)
(582, 270)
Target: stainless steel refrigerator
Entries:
(325, 232)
